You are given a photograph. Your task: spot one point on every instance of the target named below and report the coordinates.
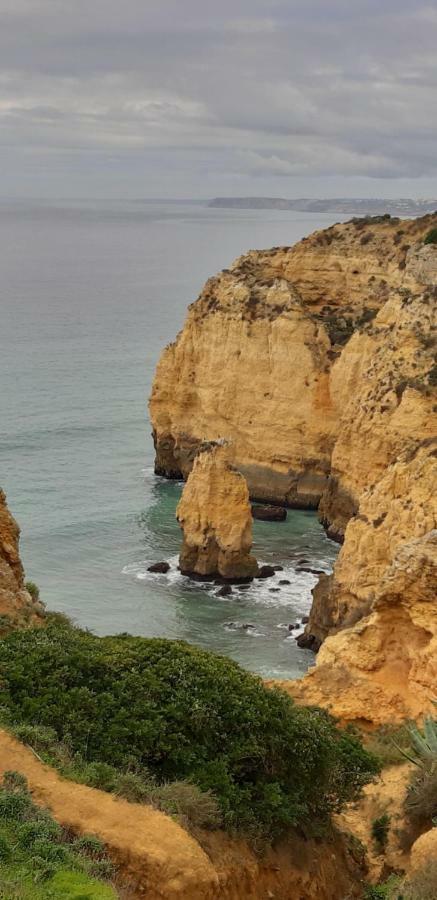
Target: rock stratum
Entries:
(215, 515)
(17, 607)
(317, 362)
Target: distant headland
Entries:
(344, 205)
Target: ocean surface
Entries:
(90, 293)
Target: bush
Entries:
(186, 800)
(389, 744)
(184, 714)
(32, 589)
(421, 800)
(380, 830)
(431, 237)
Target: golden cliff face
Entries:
(16, 605)
(380, 663)
(215, 515)
(318, 361)
(256, 358)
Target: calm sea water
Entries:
(90, 293)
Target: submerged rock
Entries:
(215, 516)
(269, 513)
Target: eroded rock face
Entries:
(381, 664)
(254, 359)
(17, 608)
(319, 362)
(214, 513)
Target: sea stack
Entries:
(215, 515)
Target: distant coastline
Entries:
(343, 205)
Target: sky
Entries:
(198, 98)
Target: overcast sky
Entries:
(193, 98)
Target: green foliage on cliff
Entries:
(38, 860)
(175, 712)
(431, 237)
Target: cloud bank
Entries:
(192, 97)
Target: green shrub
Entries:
(5, 850)
(421, 799)
(133, 787)
(181, 798)
(39, 737)
(38, 830)
(15, 781)
(33, 589)
(387, 891)
(90, 845)
(380, 830)
(184, 714)
(431, 237)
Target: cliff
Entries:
(215, 515)
(259, 359)
(318, 361)
(17, 607)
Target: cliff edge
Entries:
(17, 607)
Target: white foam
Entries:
(296, 596)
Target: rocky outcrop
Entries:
(319, 362)
(17, 607)
(383, 390)
(215, 516)
(384, 668)
(254, 360)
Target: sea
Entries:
(90, 293)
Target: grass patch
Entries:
(38, 860)
(189, 728)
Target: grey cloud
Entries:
(214, 95)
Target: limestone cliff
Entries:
(216, 518)
(384, 669)
(319, 362)
(253, 362)
(16, 605)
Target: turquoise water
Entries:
(90, 293)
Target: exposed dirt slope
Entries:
(159, 861)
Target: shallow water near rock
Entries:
(91, 292)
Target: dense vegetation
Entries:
(39, 860)
(431, 237)
(167, 710)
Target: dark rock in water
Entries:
(311, 571)
(278, 568)
(274, 590)
(266, 572)
(293, 627)
(305, 620)
(246, 626)
(224, 591)
(159, 567)
(308, 642)
(303, 562)
(269, 513)
(284, 581)
(243, 587)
